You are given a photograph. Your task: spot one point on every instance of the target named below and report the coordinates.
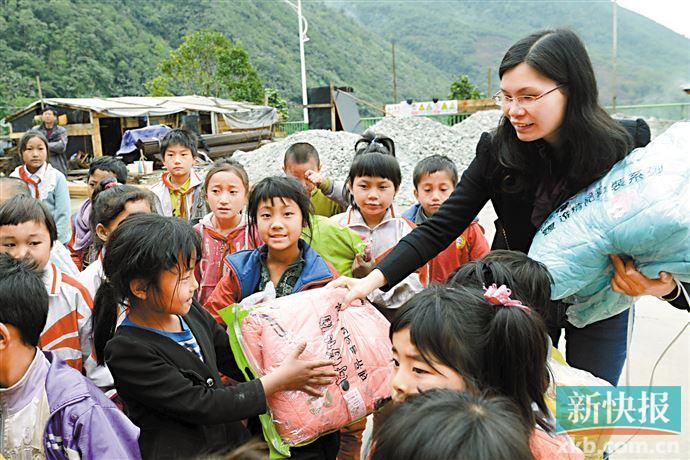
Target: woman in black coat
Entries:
(553, 140)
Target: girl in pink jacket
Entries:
(224, 230)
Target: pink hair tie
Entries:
(501, 296)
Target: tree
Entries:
(462, 88)
(207, 63)
(276, 101)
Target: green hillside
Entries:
(471, 37)
(339, 49)
(95, 48)
(90, 48)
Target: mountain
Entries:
(470, 37)
(95, 48)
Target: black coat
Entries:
(514, 227)
(177, 400)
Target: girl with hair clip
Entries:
(553, 140)
(166, 355)
(530, 280)
(224, 230)
(479, 342)
(530, 283)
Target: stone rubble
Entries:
(415, 138)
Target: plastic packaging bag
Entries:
(640, 208)
(355, 338)
(595, 442)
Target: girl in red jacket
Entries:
(279, 210)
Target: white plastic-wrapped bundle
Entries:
(641, 209)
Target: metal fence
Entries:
(671, 111)
(287, 128)
(290, 127)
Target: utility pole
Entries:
(395, 77)
(303, 38)
(614, 56)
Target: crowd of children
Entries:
(119, 352)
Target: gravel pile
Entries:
(335, 150)
(472, 127)
(414, 137)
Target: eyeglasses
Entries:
(523, 101)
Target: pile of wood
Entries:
(8, 160)
(225, 144)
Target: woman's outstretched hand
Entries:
(359, 288)
(629, 281)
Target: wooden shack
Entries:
(96, 125)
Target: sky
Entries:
(674, 14)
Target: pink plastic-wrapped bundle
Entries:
(355, 338)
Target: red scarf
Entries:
(176, 190)
(24, 175)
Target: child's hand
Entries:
(299, 375)
(314, 177)
(362, 265)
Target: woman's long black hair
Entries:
(590, 140)
(142, 247)
(495, 349)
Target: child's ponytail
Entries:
(497, 345)
(105, 307)
(371, 142)
(516, 351)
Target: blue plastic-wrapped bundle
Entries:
(641, 209)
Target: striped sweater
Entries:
(68, 330)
